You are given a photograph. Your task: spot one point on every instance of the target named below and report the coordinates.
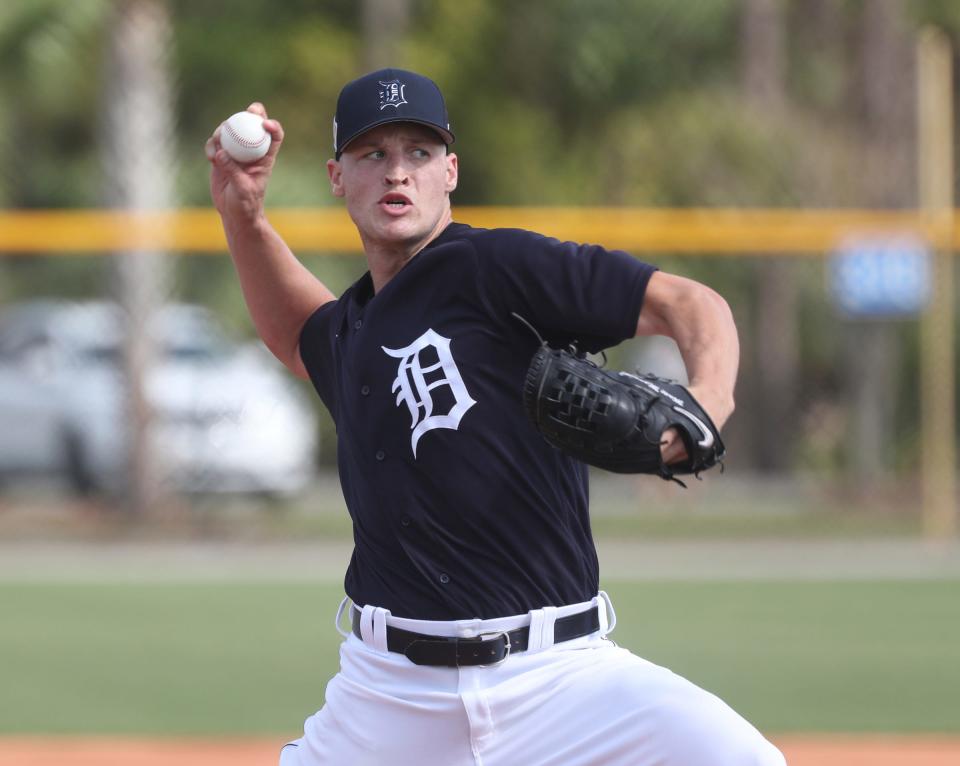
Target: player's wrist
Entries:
(245, 214)
(246, 229)
(718, 403)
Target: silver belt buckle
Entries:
(490, 636)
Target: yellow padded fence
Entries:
(716, 231)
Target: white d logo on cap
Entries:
(391, 94)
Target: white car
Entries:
(228, 418)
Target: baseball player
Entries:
(475, 631)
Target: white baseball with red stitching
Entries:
(243, 137)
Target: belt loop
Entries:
(380, 616)
(549, 618)
(535, 636)
(340, 610)
(540, 634)
(373, 627)
(366, 623)
(608, 617)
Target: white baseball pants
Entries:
(584, 702)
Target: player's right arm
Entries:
(280, 292)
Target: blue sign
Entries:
(881, 276)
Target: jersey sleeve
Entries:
(567, 291)
(316, 351)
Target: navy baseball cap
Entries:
(388, 95)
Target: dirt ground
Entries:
(799, 750)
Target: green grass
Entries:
(832, 657)
(217, 659)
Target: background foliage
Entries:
(554, 102)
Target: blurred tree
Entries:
(384, 27)
(886, 94)
(48, 49)
(137, 147)
(775, 365)
(763, 54)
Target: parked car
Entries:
(228, 418)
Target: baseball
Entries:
(243, 137)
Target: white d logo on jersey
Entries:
(414, 390)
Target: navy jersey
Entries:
(460, 508)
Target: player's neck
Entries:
(386, 259)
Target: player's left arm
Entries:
(701, 323)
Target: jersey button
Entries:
(358, 324)
(405, 521)
(444, 578)
(381, 455)
(364, 390)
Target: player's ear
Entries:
(453, 171)
(335, 173)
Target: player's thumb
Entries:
(217, 155)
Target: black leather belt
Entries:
(487, 649)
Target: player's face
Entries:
(396, 181)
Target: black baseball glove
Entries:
(615, 420)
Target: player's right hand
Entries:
(238, 190)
